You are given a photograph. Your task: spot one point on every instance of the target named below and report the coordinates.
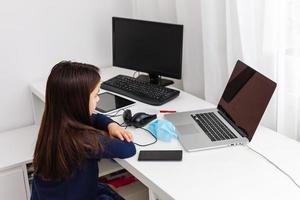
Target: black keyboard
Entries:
(213, 127)
(140, 90)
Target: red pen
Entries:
(167, 111)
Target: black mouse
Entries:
(138, 120)
(141, 119)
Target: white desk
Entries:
(225, 173)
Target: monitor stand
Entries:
(155, 79)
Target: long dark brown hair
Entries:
(66, 134)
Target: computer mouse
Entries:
(141, 119)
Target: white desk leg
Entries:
(152, 195)
(26, 181)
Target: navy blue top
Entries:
(83, 185)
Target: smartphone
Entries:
(160, 155)
(109, 102)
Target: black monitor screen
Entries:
(152, 47)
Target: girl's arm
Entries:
(100, 121)
(115, 148)
(103, 122)
(112, 148)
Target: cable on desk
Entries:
(272, 163)
(116, 113)
(143, 145)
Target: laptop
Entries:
(236, 117)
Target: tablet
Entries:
(110, 102)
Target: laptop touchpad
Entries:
(187, 129)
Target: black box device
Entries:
(160, 155)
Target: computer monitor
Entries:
(151, 47)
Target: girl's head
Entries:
(72, 90)
(66, 134)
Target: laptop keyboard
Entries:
(213, 127)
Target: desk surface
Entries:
(224, 173)
(17, 146)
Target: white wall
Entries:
(36, 34)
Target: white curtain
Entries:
(265, 34)
(288, 119)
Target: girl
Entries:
(72, 139)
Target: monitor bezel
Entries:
(140, 68)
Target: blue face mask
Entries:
(162, 129)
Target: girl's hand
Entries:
(117, 131)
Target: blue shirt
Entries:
(83, 185)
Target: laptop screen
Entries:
(246, 97)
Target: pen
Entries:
(167, 111)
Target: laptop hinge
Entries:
(232, 123)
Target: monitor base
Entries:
(154, 79)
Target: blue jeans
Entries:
(106, 193)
